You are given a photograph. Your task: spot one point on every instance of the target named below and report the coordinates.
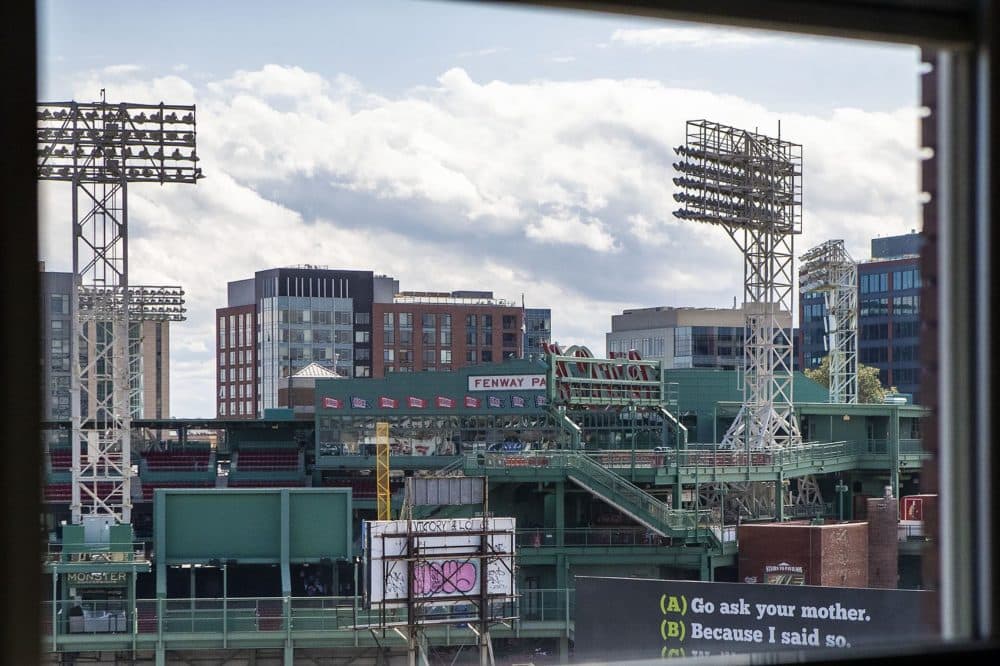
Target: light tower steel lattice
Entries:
(100, 148)
(830, 270)
(751, 186)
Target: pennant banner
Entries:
(471, 402)
(496, 401)
(445, 402)
(416, 403)
(332, 403)
(516, 401)
(359, 403)
(387, 403)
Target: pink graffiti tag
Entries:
(450, 577)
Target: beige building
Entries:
(683, 337)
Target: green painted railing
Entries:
(332, 618)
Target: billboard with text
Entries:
(628, 619)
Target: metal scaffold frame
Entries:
(101, 147)
(751, 186)
(828, 269)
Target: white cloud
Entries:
(479, 53)
(560, 190)
(563, 59)
(121, 70)
(690, 37)
(571, 230)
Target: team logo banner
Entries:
(516, 401)
(416, 403)
(541, 401)
(387, 403)
(447, 403)
(359, 403)
(332, 403)
(496, 401)
(471, 402)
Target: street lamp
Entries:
(841, 489)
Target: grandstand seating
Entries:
(178, 461)
(63, 492)
(267, 460)
(61, 460)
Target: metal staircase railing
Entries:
(634, 501)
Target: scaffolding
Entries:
(751, 186)
(829, 270)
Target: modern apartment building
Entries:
(149, 357)
(442, 331)
(888, 314)
(537, 329)
(280, 321)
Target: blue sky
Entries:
(457, 145)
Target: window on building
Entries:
(487, 321)
(470, 321)
(406, 337)
(470, 356)
(427, 321)
(362, 371)
(427, 337)
(388, 355)
(59, 303)
(387, 320)
(446, 356)
(362, 337)
(487, 337)
(444, 321)
(510, 339)
(470, 337)
(406, 356)
(362, 319)
(486, 355)
(405, 320)
(446, 337)
(429, 356)
(509, 322)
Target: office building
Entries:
(537, 329)
(149, 357)
(682, 337)
(280, 321)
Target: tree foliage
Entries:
(870, 389)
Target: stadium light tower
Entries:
(100, 147)
(830, 270)
(751, 186)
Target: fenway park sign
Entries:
(507, 383)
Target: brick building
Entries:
(425, 331)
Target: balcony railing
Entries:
(90, 553)
(263, 617)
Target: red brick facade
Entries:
(236, 362)
(800, 553)
(413, 337)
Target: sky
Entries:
(467, 146)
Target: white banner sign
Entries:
(507, 382)
(449, 566)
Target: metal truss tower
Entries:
(830, 270)
(100, 148)
(751, 186)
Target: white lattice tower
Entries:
(828, 269)
(751, 186)
(99, 148)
